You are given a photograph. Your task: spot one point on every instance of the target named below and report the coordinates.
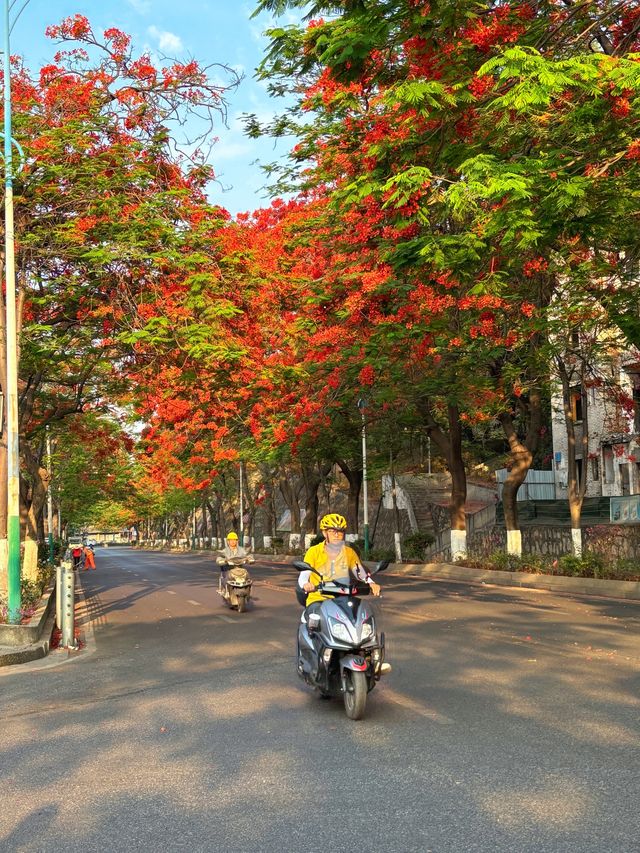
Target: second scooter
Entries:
(236, 588)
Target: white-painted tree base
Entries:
(514, 542)
(396, 539)
(576, 538)
(458, 544)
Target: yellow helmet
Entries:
(232, 535)
(333, 521)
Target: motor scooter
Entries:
(236, 589)
(340, 644)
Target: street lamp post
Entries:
(365, 487)
(13, 454)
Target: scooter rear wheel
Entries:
(355, 694)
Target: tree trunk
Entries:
(458, 486)
(576, 487)
(522, 457)
(450, 445)
(290, 496)
(39, 478)
(312, 476)
(354, 478)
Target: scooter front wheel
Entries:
(355, 694)
(242, 603)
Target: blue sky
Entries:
(206, 30)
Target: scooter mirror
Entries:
(381, 566)
(314, 622)
(301, 566)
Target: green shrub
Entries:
(587, 566)
(415, 546)
(43, 551)
(625, 569)
(378, 554)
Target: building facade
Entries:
(612, 463)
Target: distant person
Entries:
(231, 549)
(76, 556)
(89, 559)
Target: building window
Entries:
(595, 469)
(607, 460)
(575, 400)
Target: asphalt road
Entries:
(509, 723)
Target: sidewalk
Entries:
(41, 647)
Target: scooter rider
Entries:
(332, 559)
(231, 549)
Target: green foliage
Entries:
(587, 566)
(376, 555)
(415, 546)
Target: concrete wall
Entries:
(610, 541)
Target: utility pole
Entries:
(365, 485)
(13, 452)
(49, 499)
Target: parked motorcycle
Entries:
(340, 646)
(236, 589)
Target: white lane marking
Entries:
(226, 618)
(196, 603)
(171, 592)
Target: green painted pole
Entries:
(13, 454)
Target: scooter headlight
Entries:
(339, 631)
(367, 630)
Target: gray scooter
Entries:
(340, 646)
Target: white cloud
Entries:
(143, 7)
(229, 150)
(167, 42)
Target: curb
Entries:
(34, 651)
(555, 583)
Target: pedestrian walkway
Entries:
(47, 645)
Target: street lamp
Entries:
(365, 488)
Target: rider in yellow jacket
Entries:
(332, 559)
